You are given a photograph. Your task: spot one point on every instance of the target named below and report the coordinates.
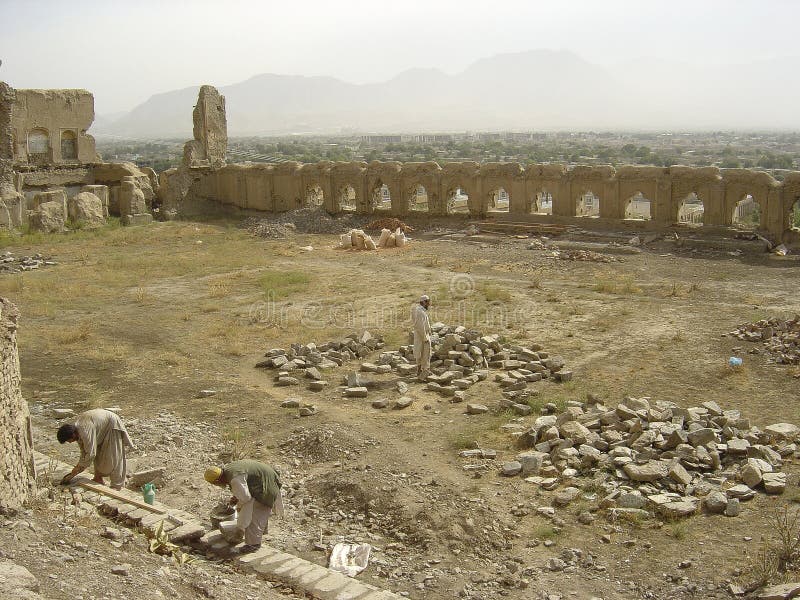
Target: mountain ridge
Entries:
(537, 89)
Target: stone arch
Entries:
(457, 200)
(587, 204)
(794, 215)
(746, 213)
(69, 145)
(38, 142)
(346, 199)
(314, 196)
(542, 202)
(691, 210)
(638, 207)
(418, 200)
(499, 200)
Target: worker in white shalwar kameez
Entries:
(103, 439)
(422, 337)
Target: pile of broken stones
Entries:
(462, 357)
(781, 337)
(17, 264)
(311, 360)
(651, 455)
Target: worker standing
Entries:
(422, 337)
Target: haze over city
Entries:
(416, 65)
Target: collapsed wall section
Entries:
(17, 473)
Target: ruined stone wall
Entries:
(292, 185)
(16, 447)
(49, 127)
(210, 127)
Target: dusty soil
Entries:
(145, 318)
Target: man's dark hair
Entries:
(66, 432)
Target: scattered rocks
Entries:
(781, 338)
(18, 264)
(313, 359)
(663, 458)
(477, 409)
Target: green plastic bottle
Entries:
(149, 492)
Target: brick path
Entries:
(186, 528)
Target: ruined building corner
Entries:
(210, 141)
(17, 473)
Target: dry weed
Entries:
(77, 333)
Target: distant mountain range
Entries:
(540, 89)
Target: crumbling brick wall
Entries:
(16, 446)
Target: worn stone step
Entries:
(187, 532)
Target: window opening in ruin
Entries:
(794, 223)
(587, 205)
(314, 196)
(747, 213)
(38, 143)
(69, 148)
(542, 203)
(381, 198)
(418, 198)
(638, 208)
(457, 202)
(691, 210)
(347, 198)
(499, 200)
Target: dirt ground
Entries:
(145, 318)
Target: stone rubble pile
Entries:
(390, 223)
(462, 357)
(780, 337)
(17, 264)
(660, 456)
(307, 220)
(275, 231)
(583, 255)
(313, 359)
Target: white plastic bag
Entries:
(350, 559)
(399, 238)
(385, 233)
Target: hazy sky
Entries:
(126, 51)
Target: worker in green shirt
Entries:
(256, 489)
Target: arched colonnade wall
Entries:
(287, 186)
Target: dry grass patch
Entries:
(616, 284)
(281, 284)
(74, 334)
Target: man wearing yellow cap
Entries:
(257, 490)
